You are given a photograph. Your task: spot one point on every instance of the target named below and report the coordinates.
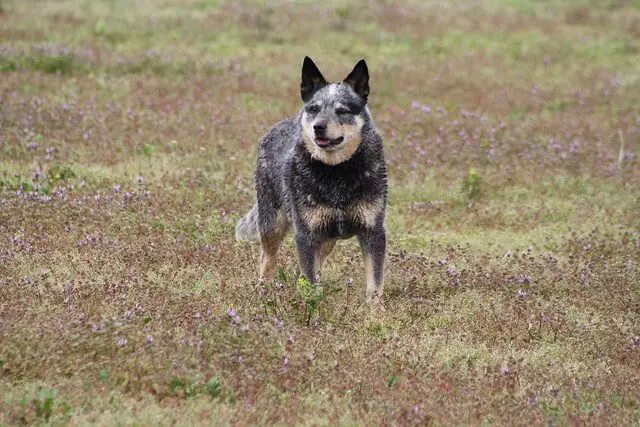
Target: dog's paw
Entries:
(375, 301)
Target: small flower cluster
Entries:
(90, 239)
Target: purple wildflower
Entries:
(139, 179)
(149, 339)
(521, 293)
(504, 370)
(232, 312)
(416, 410)
(122, 341)
(524, 278)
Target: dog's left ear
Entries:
(358, 79)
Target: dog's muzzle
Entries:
(321, 140)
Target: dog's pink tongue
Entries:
(323, 141)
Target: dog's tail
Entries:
(247, 226)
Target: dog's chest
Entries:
(340, 220)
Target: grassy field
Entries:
(128, 138)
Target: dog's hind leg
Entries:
(373, 244)
(272, 231)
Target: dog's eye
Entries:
(342, 111)
(314, 109)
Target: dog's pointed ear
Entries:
(312, 79)
(358, 79)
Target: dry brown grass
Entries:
(127, 144)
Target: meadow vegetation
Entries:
(128, 136)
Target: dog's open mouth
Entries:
(327, 142)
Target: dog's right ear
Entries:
(312, 79)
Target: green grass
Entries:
(128, 141)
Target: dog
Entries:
(322, 174)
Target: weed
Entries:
(310, 295)
(60, 172)
(43, 405)
(471, 185)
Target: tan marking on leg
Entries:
(269, 249)
(322, 254)
(268, 264)
(366, 212)
(374, 290)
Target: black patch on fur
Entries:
(312, 79)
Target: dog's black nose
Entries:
(320, 128)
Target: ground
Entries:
(128, 140)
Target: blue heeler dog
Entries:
(323, 174)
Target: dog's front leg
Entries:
(373, 243)
(307, 250)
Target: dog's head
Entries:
(334, 113)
